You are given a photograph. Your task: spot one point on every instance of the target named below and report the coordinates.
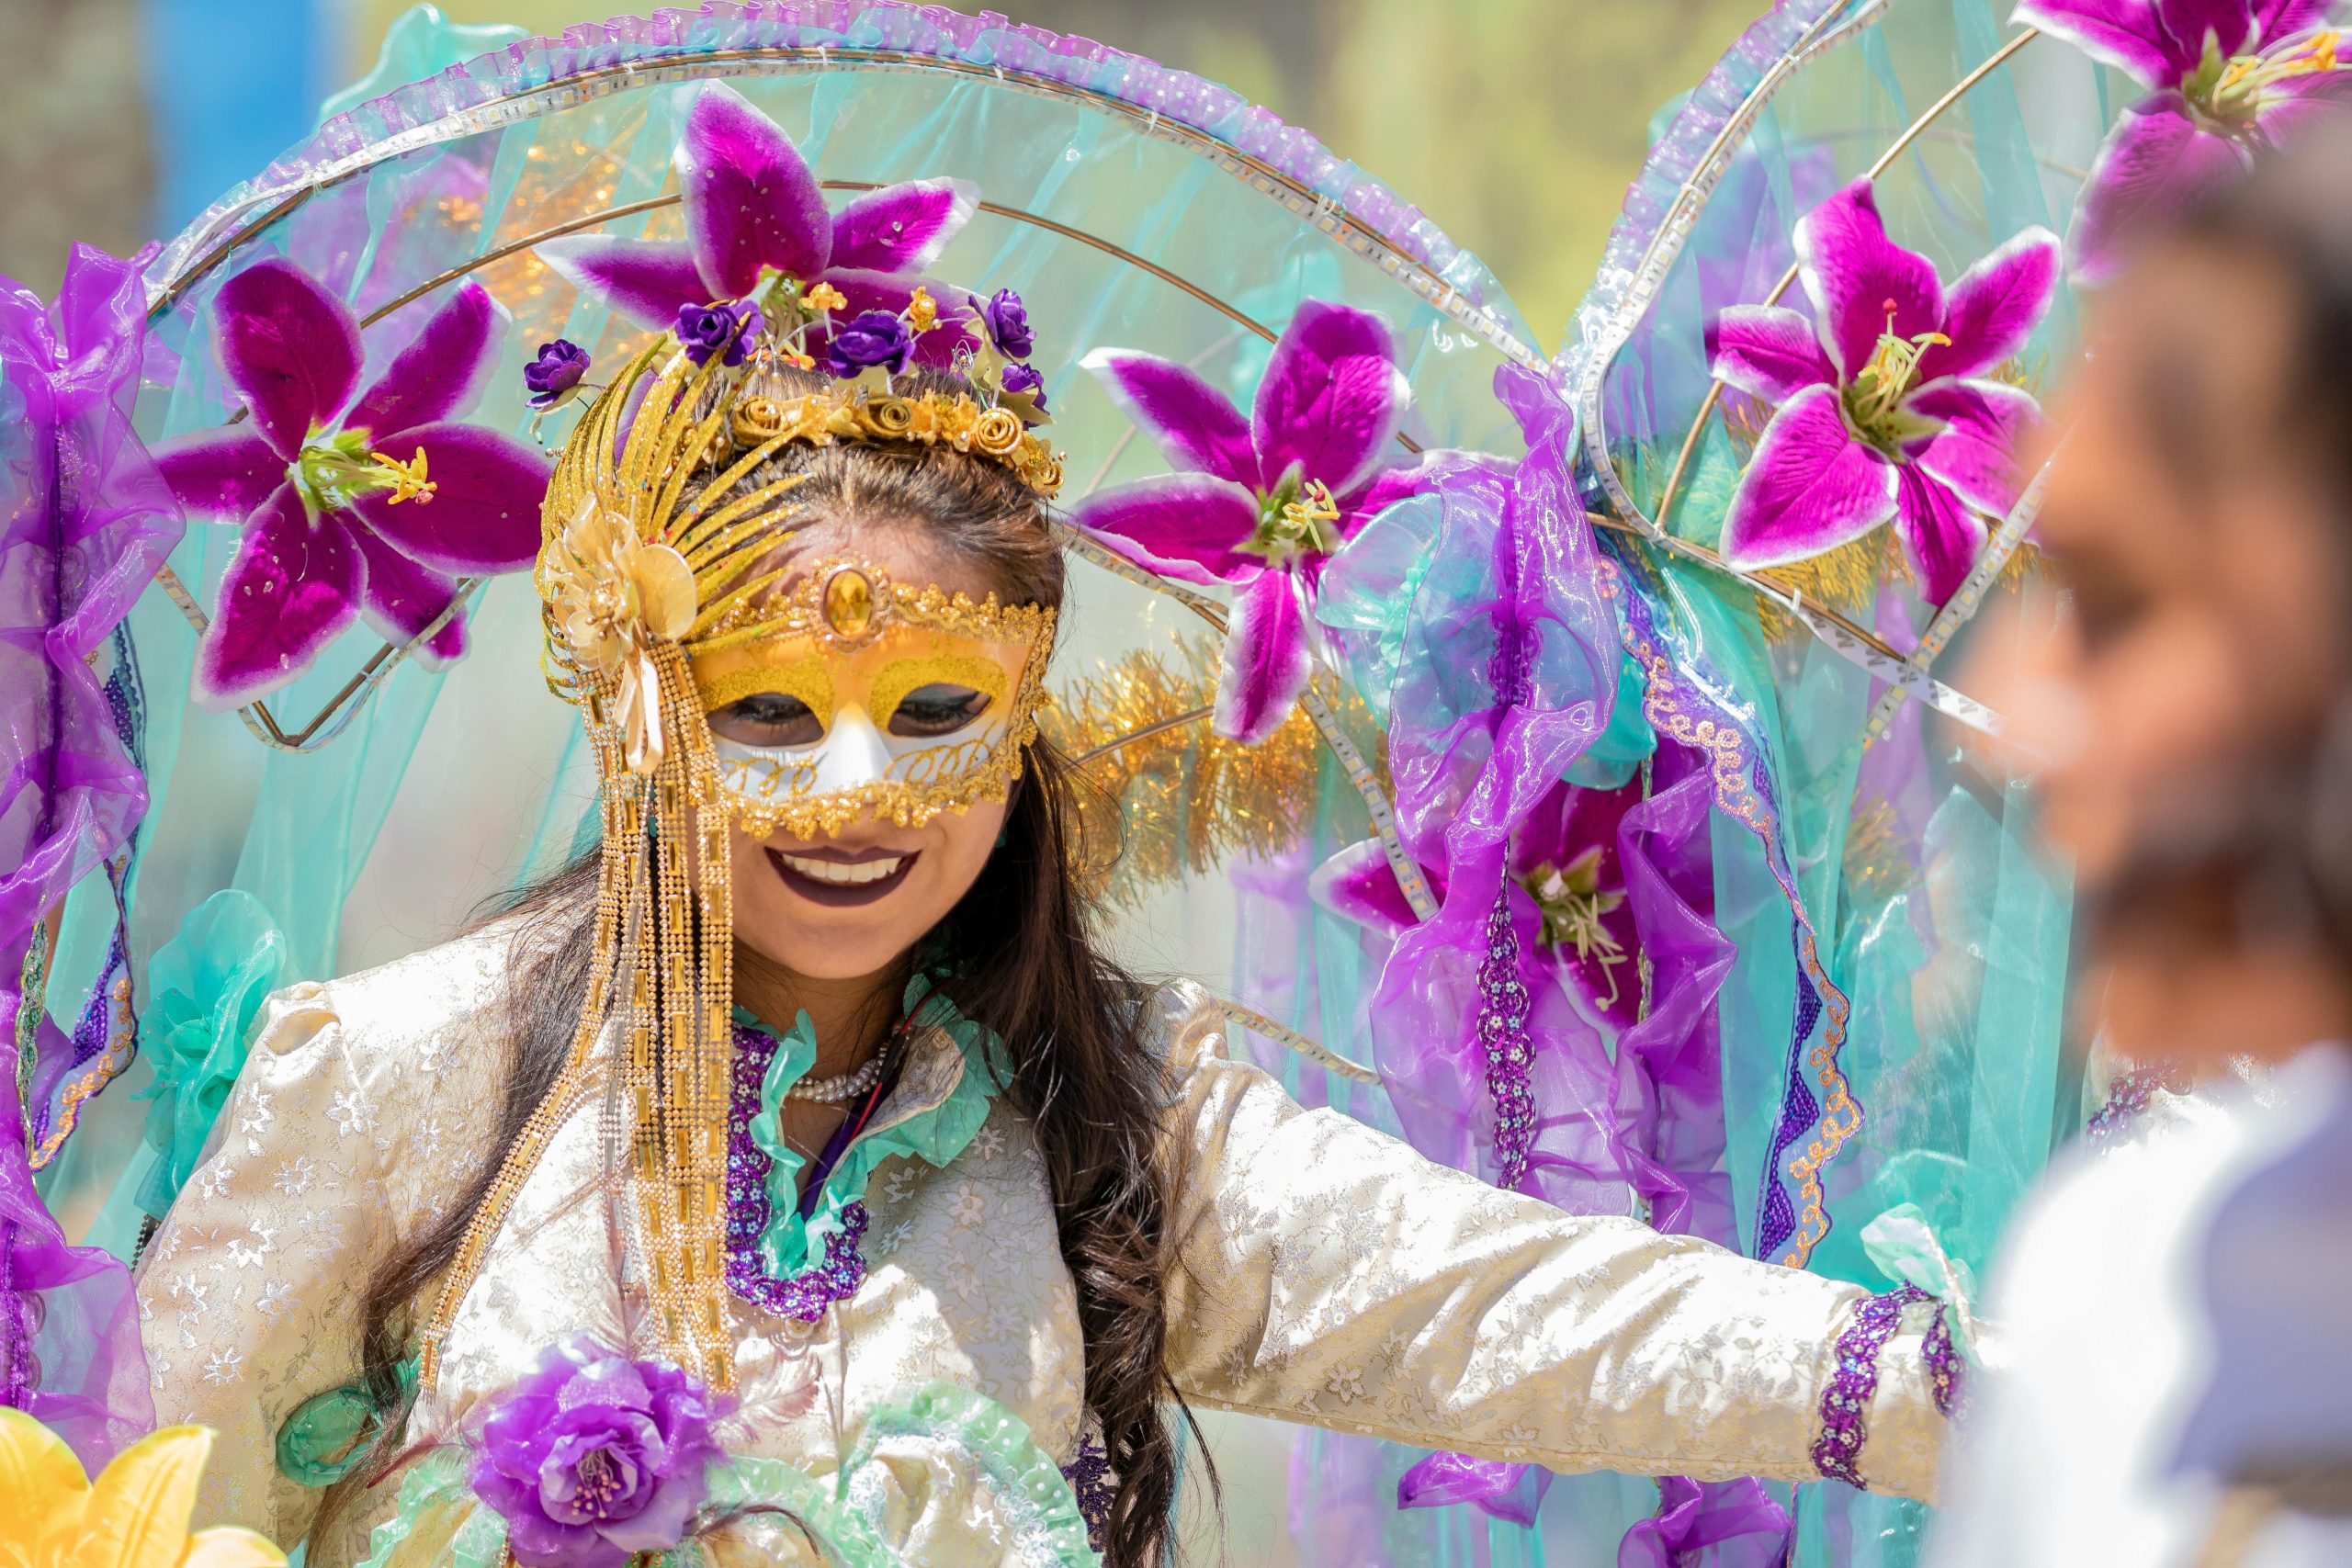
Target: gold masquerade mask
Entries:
(848, 695)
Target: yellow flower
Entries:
(613, 596)
(135, 1517)
(824, 297)
(923, 311)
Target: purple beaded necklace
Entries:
(805, 1295)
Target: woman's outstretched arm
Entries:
(1327, 1274)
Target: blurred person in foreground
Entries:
(2174, 1377)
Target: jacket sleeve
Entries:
(1327, 1274)
(354, 1121)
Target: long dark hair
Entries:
(1023, 963)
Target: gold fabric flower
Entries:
(613, 596)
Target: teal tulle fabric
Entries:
(328, 1435)
(205, 987)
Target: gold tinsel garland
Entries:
(1180, 799)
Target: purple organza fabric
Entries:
(88, 522)
(1738, 1518)
(1508, 1492)
(1509, 673)
(1670, 1109)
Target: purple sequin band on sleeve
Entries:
(1945, 1368)
(1839, 1446)
(803, 1296)
(1502, 1032)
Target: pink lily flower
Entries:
(1565, 857)
(756, 218)
(1884, 411)
(369, 504)
(2228, 78)
(1262, 500)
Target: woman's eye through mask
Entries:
(846, 696)
(780, 719)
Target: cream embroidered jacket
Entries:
(1328, 1275)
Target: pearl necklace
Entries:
(849, 1086)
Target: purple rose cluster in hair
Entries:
(727, 331)
(763, 254)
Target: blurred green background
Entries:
(1514, 123)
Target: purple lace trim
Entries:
(1090, 1477)
(1945, 1368)
(1502, 1031)
(806, 1295)
(1843, 1430)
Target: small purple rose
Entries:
(1007, 323)
(1022, 382)
(876, 338)
(592, 1457)
(556, 371)
(726, 329)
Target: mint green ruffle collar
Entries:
(954, 1068)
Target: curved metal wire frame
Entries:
(324, 726)
(1907, 674)
(572, 91)
(1901, 145)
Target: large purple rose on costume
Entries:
(754, 212)
(1885, 412)
(1263, 499)
(593, 1457)
(354, 502)
(2227, 79)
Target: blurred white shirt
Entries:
(2103, 1347)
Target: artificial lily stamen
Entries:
(2238, 86)
(1892, 370)
(409, 482)
(824, 297)
(2225, 80)
(1297, 523)
(923, 311)
(1573, 906)
(333, 471)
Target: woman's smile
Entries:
(844, 878)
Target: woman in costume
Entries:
(804, 1121)
(1593, 814)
